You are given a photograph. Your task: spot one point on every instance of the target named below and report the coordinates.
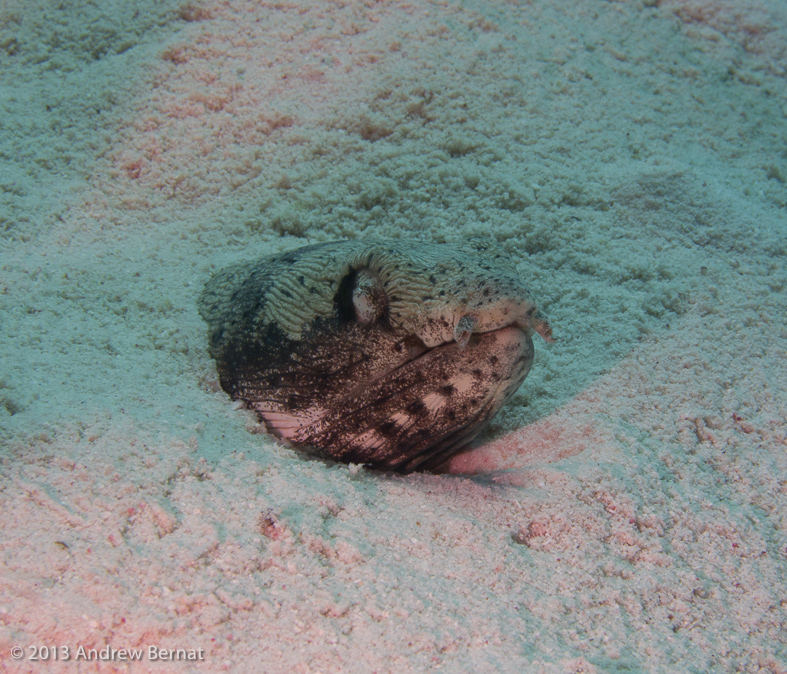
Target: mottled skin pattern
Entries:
(392, 353)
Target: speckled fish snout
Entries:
(395, 354)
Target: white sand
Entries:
(627, 511)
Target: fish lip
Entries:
(472, 339)
(450, 437)
(461, 435)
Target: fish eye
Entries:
(361, 298)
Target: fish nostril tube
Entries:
(540, 324)
(464, 329)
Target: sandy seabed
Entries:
(626, 512)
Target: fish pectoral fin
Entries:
(289, 425)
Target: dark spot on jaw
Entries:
(426, 297)
(404, 445)
(441, 293)
(387, 429)
(493, 360)
(477, 374)
(302, 280)
(451, 415)
(432, 279)
(416, 408)
(486, 292)
(446, 391)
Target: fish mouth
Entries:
(422, 412)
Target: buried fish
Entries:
(390, 353)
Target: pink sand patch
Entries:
(564, 433)
(752, 24)
(243, 77)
